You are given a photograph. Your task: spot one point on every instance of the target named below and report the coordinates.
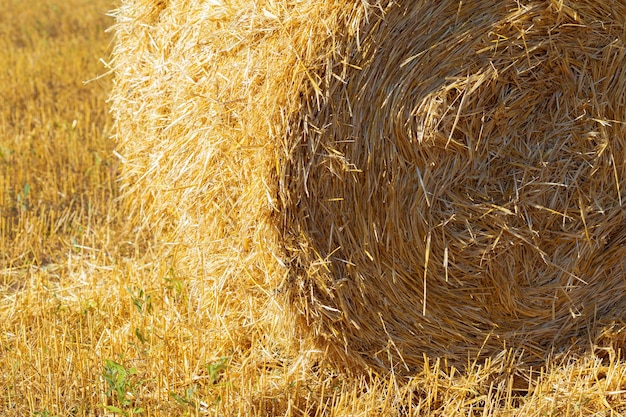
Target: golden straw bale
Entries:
(411, 177)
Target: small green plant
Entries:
(22, 197)
(174, 284)
(140, 336)
(216, 369)
(187, 400)
(141, 300)
(121, 389)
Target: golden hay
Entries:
(410, 177)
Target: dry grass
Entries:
(90, 295)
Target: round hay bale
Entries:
(459, 190)
(417, 177)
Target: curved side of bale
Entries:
(459, 189)
(202, 93)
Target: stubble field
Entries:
(94, 321)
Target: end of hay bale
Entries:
(459, 191)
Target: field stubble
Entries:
(94, 321)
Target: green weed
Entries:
(186, 400)
(216, 369)
(121, 389)
(141, 300)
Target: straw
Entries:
(459, 190)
